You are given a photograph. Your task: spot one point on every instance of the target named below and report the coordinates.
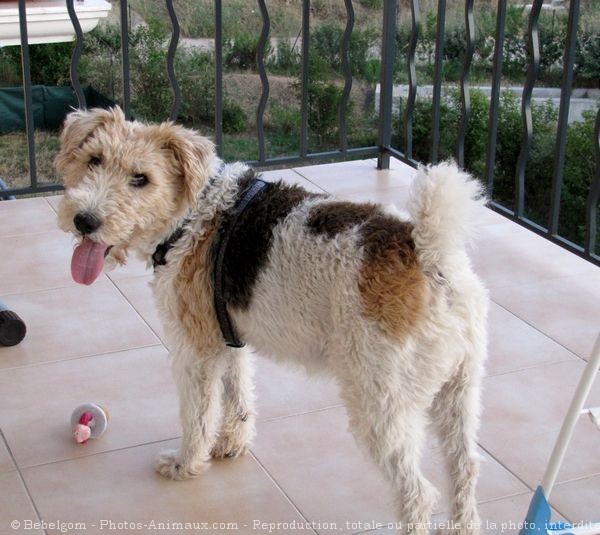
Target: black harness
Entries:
(255, 186)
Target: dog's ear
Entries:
(79, 125)
(195, 157)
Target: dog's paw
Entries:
(230, 446)
(169, 464)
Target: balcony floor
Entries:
(105, 344)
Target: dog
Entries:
(388, 306)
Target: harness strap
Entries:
(227, 328)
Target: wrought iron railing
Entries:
(384, 148)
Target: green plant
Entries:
(422, 125)
(286, 59)
(579, 173)
(9, 69)
(372, 4)
(324, 98)
(50, 63)
(234, 118)
(151, 94)
(324, 102)
(326, 42)
(283, 119)
(240, 51)
(100, 61)
(587, 56)
(196, 75)
(579, 161)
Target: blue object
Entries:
(538, 517)
(4, 187)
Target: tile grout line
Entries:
(312, 182)
(527, 368)
(505, 467)
(576, 479)
(514, 474)
(302, 413)
(162, 342)
(104, 353)
(538, 330)
(280, 488)
(96, 453)
(35, 233)
(46, 197)
(49, 289)
(18, 470)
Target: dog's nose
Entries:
(86, 223)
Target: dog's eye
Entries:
(139, 181)
(94, 161)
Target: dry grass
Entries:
(14, 161)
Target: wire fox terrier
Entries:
(389, 307)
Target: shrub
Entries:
(323, 105)
(422, 128)
(324, 99)
(151, 92)
(579, 160)
(587, 56)
(234, 118)
(326, 42)
(286, 59)
(283, 119)
(196, 75)
(101, 58)
(372, 4)
(50, 63)
(240, 51)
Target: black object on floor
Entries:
(12, 327)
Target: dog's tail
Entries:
(444, 204)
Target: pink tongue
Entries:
(88, 261)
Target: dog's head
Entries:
(125, 182)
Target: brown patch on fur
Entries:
(392, 284)
(194, 287)
(191, 153)
(331, 218)
(79, 127)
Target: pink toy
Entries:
(88, 421)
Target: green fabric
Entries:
(50, 106)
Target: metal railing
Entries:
(384, 148)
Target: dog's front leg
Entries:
(198, 379)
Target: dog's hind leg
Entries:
(198, 379)
(456, 412)
(238, 406)
(389, 417)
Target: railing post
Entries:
(305, 81)
(219, 77)
(175, 31)
(76, 56)
(437, 82)
(490, 157)
(264, 80)
(27, 94)
(388, 51)
(125, 59)
(563, 117)
(591, 205)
